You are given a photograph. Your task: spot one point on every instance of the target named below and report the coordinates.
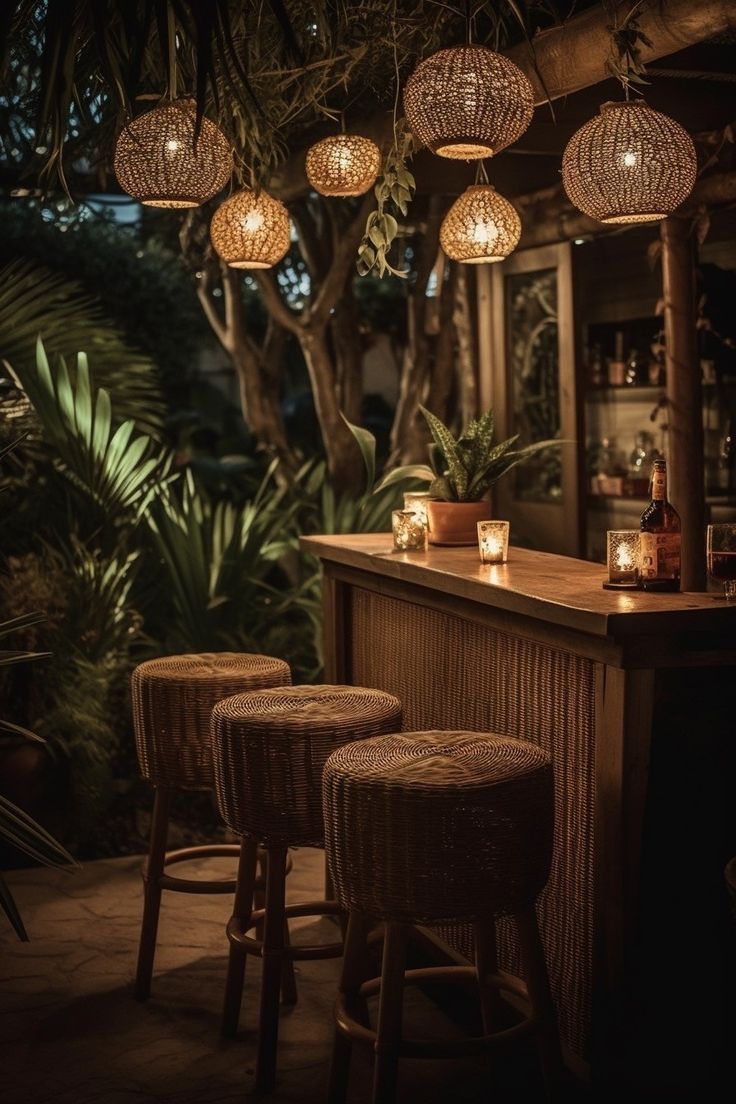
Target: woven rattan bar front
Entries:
(269, 751)
(172, 702)
(424, 827)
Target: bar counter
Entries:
(632, 695)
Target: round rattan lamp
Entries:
(250, 230)
(468, 102)
(481, 227)
(629, 164)
(343, 165)
(158, 162)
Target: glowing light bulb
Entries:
(172, 145)
(253, 221)
(629, 159)
(485, 233)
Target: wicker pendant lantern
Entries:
(158, 162)
(250, 230)
(468, 102)
(343, 165)
(481, 227)
(629, 164)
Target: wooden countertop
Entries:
(556, 589)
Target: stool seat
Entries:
(269, 750)
(173, 698)
(465, 819)
(423, 827)
(271, 747)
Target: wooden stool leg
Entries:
(548, 1042)
(152, 872)
(390, 1009)
(273, 954)
(486, 963)
(289, 994)
(354, 973)
(242, 909)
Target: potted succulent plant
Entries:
(463, 471)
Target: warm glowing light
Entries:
(481, 227)
(343, 165)
(493, 541)
(409, 531)
(158, 162)
(250, 230)
(623, 557)
(629, 164)
(467, 102)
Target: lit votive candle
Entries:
(493, 541)
(622, 557)
(410, 532)
(416, 501)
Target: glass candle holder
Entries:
(622, 557)
(416, 501)
(493, 541)
(410, 532)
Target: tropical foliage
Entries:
(270, 71)
(466, 467)
(16, 826)
(35, 300)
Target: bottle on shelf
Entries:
(634, 369)
(727, 459)
(643, 445)
(661, 537)
(617, 366)
(596, 367)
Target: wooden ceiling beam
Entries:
(566, 59)
(549, 216)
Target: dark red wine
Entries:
(722, 565)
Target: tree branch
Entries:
(343, 258)
(204, 287)
(275, 304)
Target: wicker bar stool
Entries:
(172, 700)
(269, 750)
(430, 827)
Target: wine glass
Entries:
(721, 552)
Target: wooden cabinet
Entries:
(527, 341)
(545, 316)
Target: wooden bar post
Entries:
(684, 397)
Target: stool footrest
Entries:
(352, 1028)
(238, 927)
(200, 885)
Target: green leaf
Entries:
(408, 471)
(446, 443)
(367, 445)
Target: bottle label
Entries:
(659, 485)
(660, 555)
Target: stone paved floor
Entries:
(72, 1034)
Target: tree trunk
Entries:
(346, 341)
(462, 318)
(408, 435)
(343, 457)
(684, 397)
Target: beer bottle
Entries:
(660, 537)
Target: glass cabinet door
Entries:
(532, 387)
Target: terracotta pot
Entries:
(456, 522)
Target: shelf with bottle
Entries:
(619, 357)
(615, 473)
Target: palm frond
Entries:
(37, 303)
(118, 471)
